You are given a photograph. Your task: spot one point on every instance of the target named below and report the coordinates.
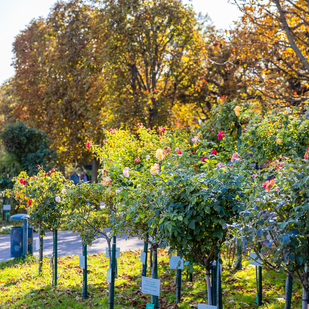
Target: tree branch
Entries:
(290, 36)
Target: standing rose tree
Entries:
(192, 199)
(275, 223)
(85, 219)
(42, 195)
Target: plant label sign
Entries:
(149, 306)
(109, 276)
(143, 257)
(150, 286)
(200, 306)
(6, 207)
(81, 261)
(255, 260)
(37, 244)
(176, 262)
(117, 253)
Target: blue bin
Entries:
(17, 238)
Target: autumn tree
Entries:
(57, 70)
(275, 34)
(151, 49)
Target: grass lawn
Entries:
(21, 287)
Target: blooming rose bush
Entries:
(275, 222)
(277, 135)
(43, 196)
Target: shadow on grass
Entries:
(17, 261)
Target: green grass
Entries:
(21, 287)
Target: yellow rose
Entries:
(279, 141)
(236, 110)
(160, 154)
(155, 169)
(106, 181)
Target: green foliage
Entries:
(197, 206)
(81, 211)
(275, 222)
(277, 134)
(29, 147)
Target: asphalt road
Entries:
(70, 244)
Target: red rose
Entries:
(179, 152)
(30, 202)
(204, 159)
(214, 152)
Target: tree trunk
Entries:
(155, 299)
(288, 291)
(209, 292)
(41, 253)
(62, 169)
(305, 292)
(305, 299)
(95, 168)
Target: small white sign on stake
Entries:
(81, 261)
(200, 306)
(37, 244)
(117, 253)
(255, 260)
(176, 262)
(6, 207)
(109, 276)
(150, 286)
(143, 257)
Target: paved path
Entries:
(70, 244)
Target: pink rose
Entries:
(179, 152)
(306, 154)
(126, 172)
(221, 135)
(204, 159)
(235, 157)
(214, 152)
(163, 130)
(88, 145)
(137, 160)
(139, 125)
(176, 149)
(253, 176)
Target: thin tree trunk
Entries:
(288, 291)
(305, 299)
(150, 258)
(41, 253)
(209, 292)
(305, 293)
(95, 168)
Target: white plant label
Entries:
(117, 253)
(143, 257)
(200, 306)
(255, 260)
(81, 261)
(150, 286)
(176, 262)
(109, 276)
(6, 207)
(37, 244)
